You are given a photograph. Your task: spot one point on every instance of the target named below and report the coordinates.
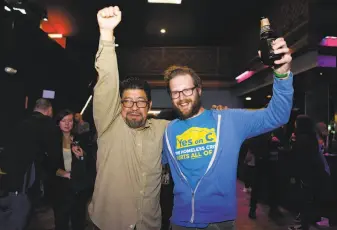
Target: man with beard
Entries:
(127, 188)
(202, 146)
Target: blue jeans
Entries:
(226, 225)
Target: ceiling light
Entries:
(55, 35)
(165, 1)
(248, 98)
(268, 96)
(163, 31)
(45, 19)
(10, 70)
(22, 11)
(116, 45)
(7, 8)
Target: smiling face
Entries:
(185, 96)
(135, 107)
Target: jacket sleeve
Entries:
(254, 123)
(106, 103)
(52, 144)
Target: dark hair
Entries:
(305, 125)
(62, 114)
(175, 70)
(42, 104)
(135, 83)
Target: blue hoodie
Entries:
(203, 155)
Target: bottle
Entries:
(267, 36)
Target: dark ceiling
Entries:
(42, 64)
(194, 22)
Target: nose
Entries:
(134, 107)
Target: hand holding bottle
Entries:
(283, 64)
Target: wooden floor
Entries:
(45, 221)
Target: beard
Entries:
(135, 123)
(196, 105)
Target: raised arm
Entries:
(106, 93)
(253, 123)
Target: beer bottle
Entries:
(267, 36)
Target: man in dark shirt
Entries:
(30, 144)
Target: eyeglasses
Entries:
(186, 92)
(139, 104)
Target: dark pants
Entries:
(266, 176)
(227, 225)
(14, 212)
(71, 207)
(307, 207)
(249, 176)
(257, 184)
(273, 184)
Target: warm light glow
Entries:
(55, 35)
(165, 1)
(7, 8)
(60, 21)
(86, 104)
(244, 76)
(154, 112)
(268, 96)
(163, 31)
(248, 98)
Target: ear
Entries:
(150, 106)
(199, 90)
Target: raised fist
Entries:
(109, 17)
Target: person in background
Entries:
(81, 126)
(323, 136)
(249, 171)
(258, 147)
(310, 172)
(73, 176)
(24, 161)
(202, 146)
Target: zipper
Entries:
(208, 168)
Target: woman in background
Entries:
(72, 181)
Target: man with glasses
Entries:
(202, 146)
(127, 188)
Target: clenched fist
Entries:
(108, 18)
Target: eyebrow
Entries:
(129, 98)
(182, 89)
